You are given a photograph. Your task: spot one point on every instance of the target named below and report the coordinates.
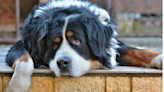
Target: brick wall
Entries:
(91, 84)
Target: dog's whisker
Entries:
(46, 73)
(43, 59)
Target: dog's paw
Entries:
(158, 61)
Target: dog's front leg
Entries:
(20, 80)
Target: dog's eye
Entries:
(76, 42)
(55, 45)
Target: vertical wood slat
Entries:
(17, 7)
(111, 7)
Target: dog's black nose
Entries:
(63, 62)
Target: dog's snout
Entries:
(63, 62)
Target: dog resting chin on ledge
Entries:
(71, 36)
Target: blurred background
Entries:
(139, 22)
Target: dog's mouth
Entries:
(69, 72)
(64, 72)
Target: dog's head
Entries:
(70, 36)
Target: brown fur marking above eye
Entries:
(57, 40)
(69, 33)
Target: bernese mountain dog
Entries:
(71, 36)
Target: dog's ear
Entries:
(98, 38)
(34, 30)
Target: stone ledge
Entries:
(147, 84)
(119, 69)
(80, 84)
(0, 84)
(91, 84)
(119, 79)
(118, 84)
